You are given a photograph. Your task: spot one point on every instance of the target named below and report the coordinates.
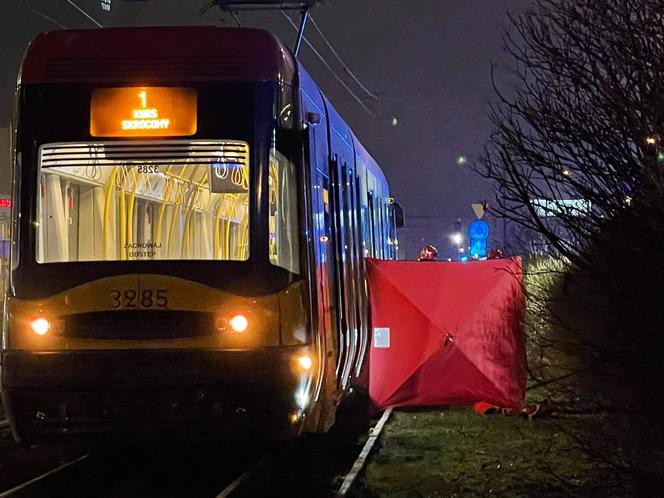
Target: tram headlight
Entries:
(239, 323)
(304, 362)
(40, 326)
(295, 417)
(302, 398)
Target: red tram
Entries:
(190, 221)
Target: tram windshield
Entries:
(143, 200)
(283, 220)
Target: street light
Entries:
(456, 238)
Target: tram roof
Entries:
(145, 55)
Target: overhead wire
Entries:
(236, 18)
(73, 4)
(329, 68)
(341, 61)
(42, 15)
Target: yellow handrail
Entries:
(177, 201)
(201, 183)
(193, 200)
(184, 247)
(107, 211)
(273, 183)
(130, 212)
(227, 236)
(244, 247)
(217, 229)
(123, 225)
(176, 215)
(168, 187)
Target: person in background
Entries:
(428, 253)
(495, 254)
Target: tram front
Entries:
(155, 278)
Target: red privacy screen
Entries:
(447, 333)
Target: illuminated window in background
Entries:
(106, 5)
(283, 221)
(562, 207)
(138, 201)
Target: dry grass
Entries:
(457, 452)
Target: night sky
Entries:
(428, 60)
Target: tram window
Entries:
(283, 222)
(136, 201)
(381, 217)
(381, 213)
(372, 224)
(368, 240)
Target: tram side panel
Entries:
(343, 174)
(322, 284)
(372, 191)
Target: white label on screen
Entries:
(381, 337)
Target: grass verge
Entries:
(456, 452)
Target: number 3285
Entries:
(143, 298)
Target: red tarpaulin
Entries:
(446, 333)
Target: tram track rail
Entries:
(23, 486)
(361, 460)
(138, 470)
(248, 474)
(313, 465)
(261, 478)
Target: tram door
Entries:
(321, 274)
(362, 293)
(324, 255)
(347, 246)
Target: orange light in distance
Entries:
(239, 323)
(40, 326)
(143, 112)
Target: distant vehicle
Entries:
(190, 225)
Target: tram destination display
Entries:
(143, 112)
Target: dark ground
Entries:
(175, 466)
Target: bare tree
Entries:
(585, 121)
(577, 155)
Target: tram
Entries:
(189, 226)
